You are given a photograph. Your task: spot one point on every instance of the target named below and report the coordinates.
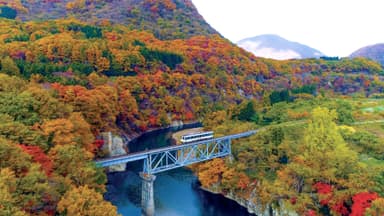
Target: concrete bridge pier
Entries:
(147, 199)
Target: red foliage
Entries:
(98, 143)
(323, 188)
(310, 213)
(189, 115)
(340, 208)
(362, 201)
(324, 202)
(154, 9)
(143, 127)
(326, 190)
(152, 121)
(40, 157)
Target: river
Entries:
(176, 192)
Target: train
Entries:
(188, 138)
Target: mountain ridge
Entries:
(166, 19)
(374, 52)
(276, 47)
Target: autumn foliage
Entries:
(40, 157)
(361, 202)
(63, 82)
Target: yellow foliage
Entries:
(82, 132)
(60, 130)
(347, 128)
(377, 208)
(83, 201)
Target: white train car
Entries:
(196, 137)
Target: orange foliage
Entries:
(169, 4)
(244, 181)
(211, 172)
(189, 116)
(297, 115)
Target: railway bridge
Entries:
(163, 159)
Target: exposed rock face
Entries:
(115, 147)
(252, 205)
(177, 124)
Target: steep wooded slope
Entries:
(166, 19)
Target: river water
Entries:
(176, 192)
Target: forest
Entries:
(319, 156)
(65, 81)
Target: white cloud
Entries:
(269, 52)
(332, 26)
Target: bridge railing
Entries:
(171, 157)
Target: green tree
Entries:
(20, 133)
(22, 107)
(279, 96)
(76, 164)
(8, 66)
(248, 113)
(13, 157)
(11, 83)
(344, 113)
(325, 158)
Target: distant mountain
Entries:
(166, 19)
(276, 47)
(374, 52)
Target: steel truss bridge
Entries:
(163, 159)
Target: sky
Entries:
(334, 27)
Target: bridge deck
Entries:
(171, 157)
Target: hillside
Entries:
(196, 75)
(374, 52)
(166, 19)
(276, 47)
(63, 82)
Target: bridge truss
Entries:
(163, 159)
(185, 155)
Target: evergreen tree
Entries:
(248, 113)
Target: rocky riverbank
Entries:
(252, 207)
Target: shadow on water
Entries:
(176, 192)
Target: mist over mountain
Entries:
(276, 47)
(374, 52)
